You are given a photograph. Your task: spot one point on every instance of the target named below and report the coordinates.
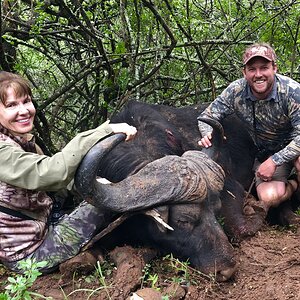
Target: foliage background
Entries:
(86, 58)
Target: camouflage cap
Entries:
(261, 51)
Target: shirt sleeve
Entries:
(40, 172)
(290, 90)
(222, 106)
(292, 150)
(287, 154)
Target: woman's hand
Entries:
(130, 131)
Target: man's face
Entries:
(17, 114)
(259, 73)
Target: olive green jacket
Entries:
(24, 179)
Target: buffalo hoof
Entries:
(226, 274)
(249, 223)
(252, 206)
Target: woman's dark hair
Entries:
(19, 84)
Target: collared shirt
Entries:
(273, 123)
(24, 178)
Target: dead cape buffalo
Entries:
(163, 168)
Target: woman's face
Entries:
(17, 114)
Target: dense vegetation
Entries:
(86, 58)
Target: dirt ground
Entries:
(269, 269)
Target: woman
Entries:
(25, 176)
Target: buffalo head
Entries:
(188, 185)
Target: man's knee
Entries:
(271, 195)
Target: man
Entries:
(269, 105)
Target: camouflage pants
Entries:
(65, 239)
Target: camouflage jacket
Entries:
(20, 237)
(273, 123)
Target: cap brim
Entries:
(248, 59)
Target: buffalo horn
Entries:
(89, 166)
(217, 137)
(168, 180)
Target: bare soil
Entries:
(269, 269)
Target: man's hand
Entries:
(266, 170)
(205, 141)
